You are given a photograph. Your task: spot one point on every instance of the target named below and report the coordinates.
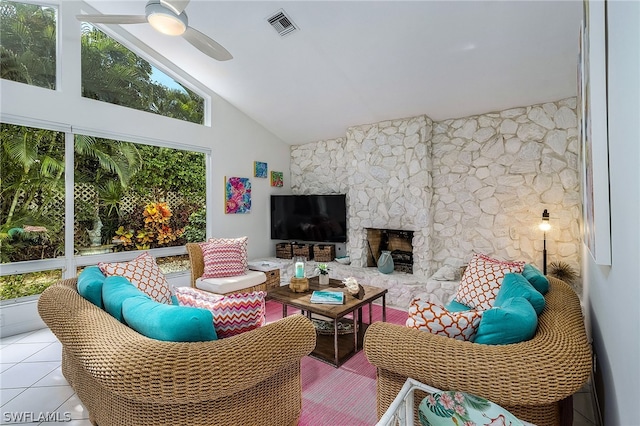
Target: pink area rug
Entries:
(344, 396)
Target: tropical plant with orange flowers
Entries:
(157, 230)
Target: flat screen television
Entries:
(313, 218)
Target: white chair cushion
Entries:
(228, 284)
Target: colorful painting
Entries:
(237, 195)
(277, 179)
(260, 169)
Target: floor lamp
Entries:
(544, 227)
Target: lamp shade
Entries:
(545, 225)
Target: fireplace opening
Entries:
(398, 242)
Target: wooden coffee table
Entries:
(336, 348)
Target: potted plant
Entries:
(323, 270)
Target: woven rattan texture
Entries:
(303, 250)
(124, 378)
(324, 252)
(283, 251)
(528, 378)
(273, 279)
(197, 269)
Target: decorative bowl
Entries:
(345, 260)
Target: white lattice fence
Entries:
(87, 193)
(52, 208)
(130, 201)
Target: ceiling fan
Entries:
(167, 17)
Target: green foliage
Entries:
(167, 169)
(99, 160)
(196, 230)
(14, 286)
(32, 164)
(113, 73)
(28, 43)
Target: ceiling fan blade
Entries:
(112, 19)
(206, 45)
(177, 6)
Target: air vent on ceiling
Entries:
(282, 23)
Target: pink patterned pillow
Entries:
(224, 257)
(232, 314)
(482, 279)
(437, 320)
(144, 273)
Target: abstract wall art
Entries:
(260, 169)
(277, 179)
(237, 195)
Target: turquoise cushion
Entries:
(115, 291)
(168, 322)
(515, 285)
(536, 278)
(515, 321)
(90, 283)
(449, 408)
(455, 306)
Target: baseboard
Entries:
(20, 317)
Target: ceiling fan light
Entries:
(163, 20)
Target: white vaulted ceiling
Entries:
(358, 62)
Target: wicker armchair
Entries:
(196, 260)
(124, 378)
(531, 379)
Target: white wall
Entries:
(614, 292)
(235, 140)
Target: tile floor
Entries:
(33, 390)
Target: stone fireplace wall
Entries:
(385, 170)
(475, 184)
(493, 176)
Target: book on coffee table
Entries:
(326, 296)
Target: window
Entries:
(113, 73)
(131, 196)
(127, 196)
(28, 43)
(31, 194)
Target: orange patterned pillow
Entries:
(482, 279)
(437, 320)
(144, 273)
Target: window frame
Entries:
(70, 262)
(145, 52)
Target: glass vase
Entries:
(299, 266)
(385, 262)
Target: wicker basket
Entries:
(324, 252)
(304, 250)
(283, 250)
(273, 279)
